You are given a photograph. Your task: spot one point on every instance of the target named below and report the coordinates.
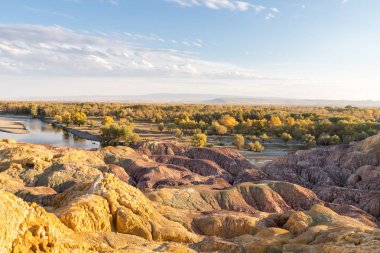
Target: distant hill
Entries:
(148, 98)
(204, 99)
(286, 101)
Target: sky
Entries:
(309, 49)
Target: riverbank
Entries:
(75, 132)
(13, 127)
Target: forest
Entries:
(309, 125)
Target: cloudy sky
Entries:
(262, 48)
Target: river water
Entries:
(43, 133)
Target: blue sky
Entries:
(296, 48)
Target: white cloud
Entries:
(269, 16)
(274, 10)
(36, 50)
(221, 4)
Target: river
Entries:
(43, 133)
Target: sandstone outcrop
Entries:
(166, 197)
(342, 174)
(268, 196)
(109, 204)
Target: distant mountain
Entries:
(287, 101)
(148, 98)
(205, 99)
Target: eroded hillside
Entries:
(166, 197)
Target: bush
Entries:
(309, 140)
(178, 133)
(218, 128)
(239, 141)
(264, 137)
(161, 127)
(107, 120)
(199, 140)
(325, 139)
(286, 137)
(255, 146)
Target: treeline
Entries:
(311, 125)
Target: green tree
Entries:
(199, 140)
(116, 134)
(239, 141)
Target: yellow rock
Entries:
(131, 212)
(89, 213)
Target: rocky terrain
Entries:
(166, 197)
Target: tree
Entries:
(239, 141)
(275, 121)
(219, 129)
(309, 140)
(116, 134)
(58, 119)
(199, 140)
(107, 120)
(324, 139)
(178, 133)
(92, 124)
(264, 137)
(122, 121)
(79, 118)
(66, 118)
(334, 140)
(161, 127)
(34, 110)
(290, 121)
(255, 146)
(228, 121)
(286, 137)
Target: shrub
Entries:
(239, 141)
(218, 128)
(255, 146)
(178, 133)
(107, 120)
(199, 140)
(264, 137)
(286, 137)
(309, 140)
(161, 127)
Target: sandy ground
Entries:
(13, 127)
